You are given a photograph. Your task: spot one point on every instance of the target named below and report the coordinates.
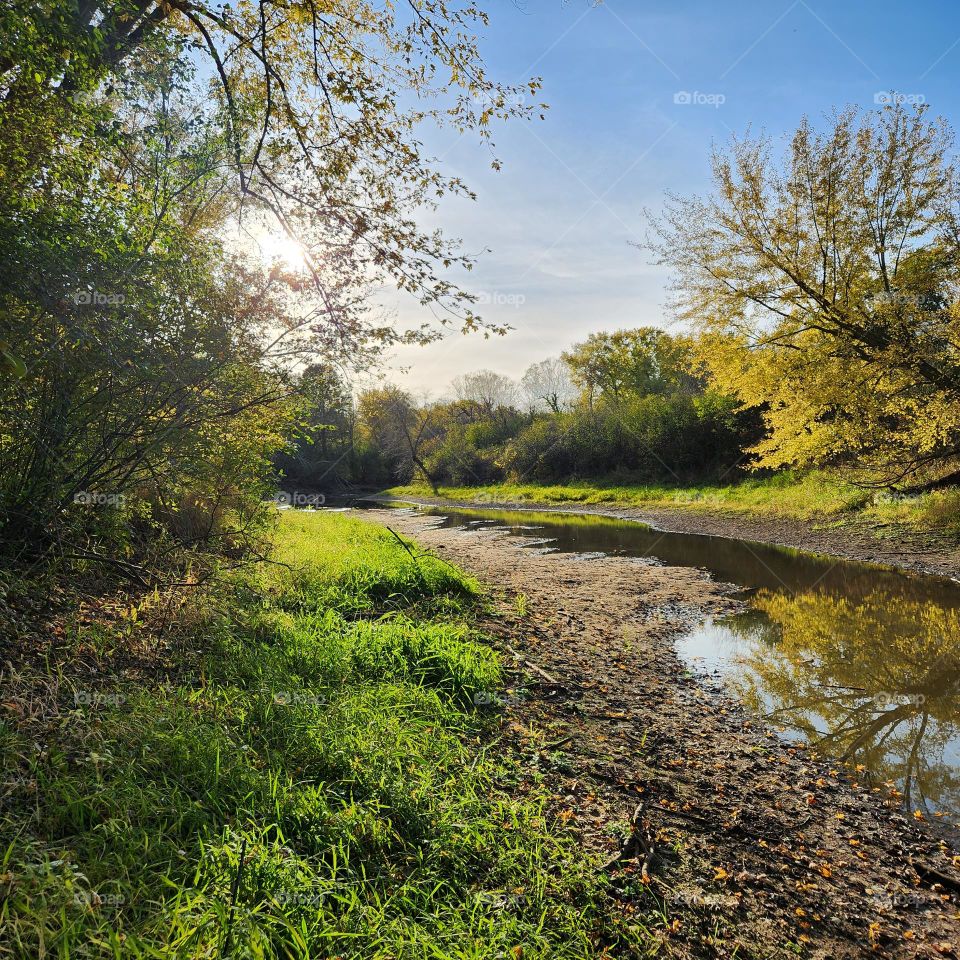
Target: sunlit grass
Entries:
(807, 496)
(790, 494)
(320, 776)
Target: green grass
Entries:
(320, 726)
(808, 496)
(786, 493)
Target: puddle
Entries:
(860, 660)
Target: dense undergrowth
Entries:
(291, 765)
(811, 495)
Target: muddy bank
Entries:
(741, 845)
(856, 540)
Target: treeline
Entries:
(630, 404)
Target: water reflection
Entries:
(860, 660)
(872, 680)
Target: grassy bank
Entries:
(290, 765)
(811, 496)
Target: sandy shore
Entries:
(751, 846)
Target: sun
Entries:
(280, 248)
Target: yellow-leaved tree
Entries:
(823, 283)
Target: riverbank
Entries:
(813, 496)
(807, 517)
(752, 846)
(300, 761)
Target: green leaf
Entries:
(11, 365)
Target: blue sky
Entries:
(559, 218)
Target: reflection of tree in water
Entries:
(874, 681)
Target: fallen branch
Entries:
(532, 666)
(636, 843)
(929, 873)
(131, 571)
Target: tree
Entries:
(547, 385)
(141, 357)
(824, 283)
(488, 390)
(322, 453)
(399, 428)
(320, 105)
(144, 371)
(615, 366)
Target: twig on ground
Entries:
(538, 670)
(636, 843)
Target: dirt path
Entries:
(856, 540)
(753, 848)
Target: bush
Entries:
(660, 438)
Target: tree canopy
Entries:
(319, 106)
(824, 282)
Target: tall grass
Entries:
(316, 783)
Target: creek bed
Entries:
(861, 661)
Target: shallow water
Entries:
(861, 661)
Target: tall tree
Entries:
(824, 282)
(321, 455)
(615, 366)
(488, 390)
(400, 429)
(547, 385)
